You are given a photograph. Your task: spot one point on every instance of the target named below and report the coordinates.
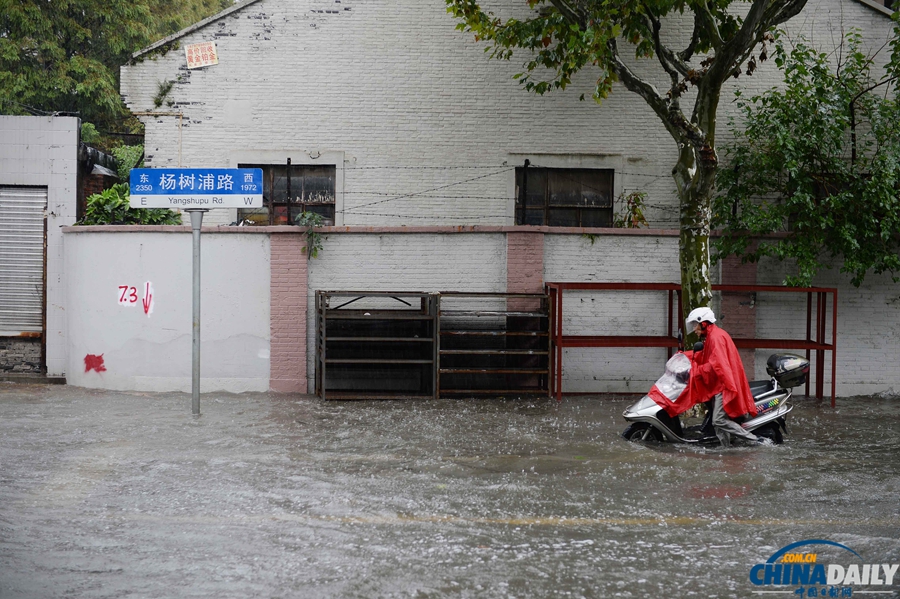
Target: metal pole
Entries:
(290, 197)
(524, 199)
(196, 223)
(834, 347)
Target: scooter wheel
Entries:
(642, 432)
(771, 432)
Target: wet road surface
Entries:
(114, 494)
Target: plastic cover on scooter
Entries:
(670, 386)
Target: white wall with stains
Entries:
(114, 342)
(43, 152)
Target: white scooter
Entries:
(650, 422)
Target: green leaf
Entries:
(790, 169)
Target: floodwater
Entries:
(124, 494)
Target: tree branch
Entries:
(571, 13)
(704, 19)
(671, 116)
(734, 51)
(763, 15)
(782, 12)
(670, 61)
(688, 53)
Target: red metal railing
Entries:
(815, 338)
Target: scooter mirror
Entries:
(698, 346)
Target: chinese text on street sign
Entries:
(201, 55)
(184, 188)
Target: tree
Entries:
(562, 37)
(170, 17)
(63, 56)
(818, 162)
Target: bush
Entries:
(110, 207)
(128, 157)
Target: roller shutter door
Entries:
(22, 259)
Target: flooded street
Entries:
(112, 494)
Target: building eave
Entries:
(196, 26)
(876, 6)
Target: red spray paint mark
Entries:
(148, 298)
(92, 362)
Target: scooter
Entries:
(650, 421)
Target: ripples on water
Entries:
(104, 494)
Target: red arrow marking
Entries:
(148, 299)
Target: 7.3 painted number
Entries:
(128, 296)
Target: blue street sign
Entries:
(185, 188)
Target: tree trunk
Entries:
(695, 180)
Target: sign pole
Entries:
(196, 223)
(195, 191)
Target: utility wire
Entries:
(419, 193)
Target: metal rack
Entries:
(493, 344)
(423, 345)
(815, 338)
(375, 344)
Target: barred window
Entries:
(564, 197)
(289, 190)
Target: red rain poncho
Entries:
(716, 369)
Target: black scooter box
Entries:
(789, 370)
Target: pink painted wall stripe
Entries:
(288, 310)
(524, 268)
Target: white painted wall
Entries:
(474, 262)
(153, 352)
(43, 152)
(868, 329)
(612, 259)
(430, 131)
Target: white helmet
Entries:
(697, 316)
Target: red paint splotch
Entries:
(92, 362)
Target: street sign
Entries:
(185, 188)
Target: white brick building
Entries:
(425, 128)
(398, 121)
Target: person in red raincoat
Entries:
(718, 373)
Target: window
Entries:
(564, 197)
(309, 187)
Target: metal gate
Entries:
(421, 344)
(22, 260)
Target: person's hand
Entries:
(683, 376)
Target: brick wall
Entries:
(288, 314)
(259, 289)
(524, 267)
(430, 128)
(737, 311)
(637, 256)
(96, 183)
(424, 111)
(20, 355)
